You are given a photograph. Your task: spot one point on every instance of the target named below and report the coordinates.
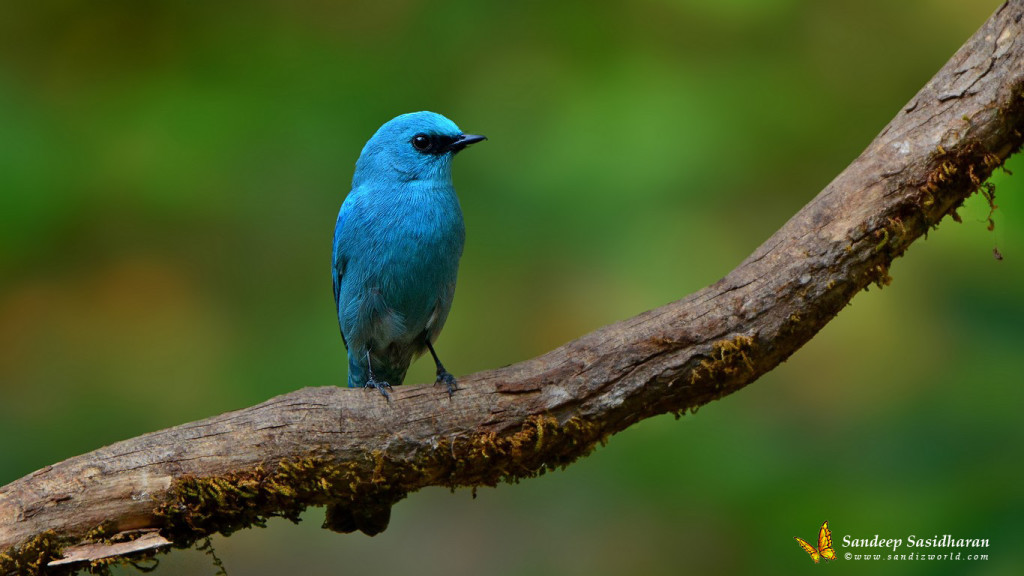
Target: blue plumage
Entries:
(397, 245)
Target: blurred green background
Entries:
(170, 174)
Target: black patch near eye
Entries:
(432, 143)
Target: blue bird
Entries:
(397, 246)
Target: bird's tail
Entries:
(357, 375)
(384, 370)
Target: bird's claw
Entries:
(448, 380)
(381, 387)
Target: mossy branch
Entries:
(358, 454)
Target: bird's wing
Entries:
(338, 261)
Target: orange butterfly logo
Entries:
(824, 549)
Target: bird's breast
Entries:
(420, 240)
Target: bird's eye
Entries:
(421, 142)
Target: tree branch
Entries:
(359, 454)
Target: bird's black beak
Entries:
(463, 141)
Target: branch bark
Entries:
(358, 454)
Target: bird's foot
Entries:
(443, 377)
(381, 387)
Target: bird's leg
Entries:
(442, 374)
(381, 387)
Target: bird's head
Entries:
(416, 146)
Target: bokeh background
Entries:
(170, 174)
